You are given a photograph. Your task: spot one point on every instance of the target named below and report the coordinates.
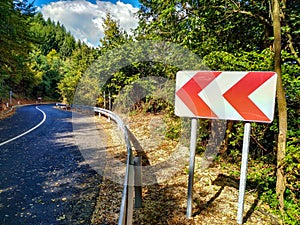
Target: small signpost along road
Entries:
(244, 96)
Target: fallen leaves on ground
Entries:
(215, 191)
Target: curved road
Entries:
(43, 178)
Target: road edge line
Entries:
(28, 131)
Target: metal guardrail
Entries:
(126, 208)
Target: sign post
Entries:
(193, 143)
(243, 176)
(243, 96)
(10, 97)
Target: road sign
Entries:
(245, 96)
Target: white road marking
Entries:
(28, 131)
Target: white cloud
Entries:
(84, 19)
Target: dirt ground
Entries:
(215, 192)
(7, 109)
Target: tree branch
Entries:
(261, 18)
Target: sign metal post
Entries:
(10, 97)
(243, 176)
(193, 143)
(243, 96)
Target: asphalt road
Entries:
(44, 178)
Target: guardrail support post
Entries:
(137, 182)
(104, 100)
(130, 195)
(109, 101)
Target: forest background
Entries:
(39, 57)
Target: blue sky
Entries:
(84, 18)
(135, 3)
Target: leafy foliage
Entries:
(40, 58)
(237, 36)
(15, 44)
(206, 26)
(35, 54)
(73, 69)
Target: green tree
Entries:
(47, 70)
(73, 70)
(206, 26)
(220, 31)
(15, 44)
(114, 36)
(53, 61)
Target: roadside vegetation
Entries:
(40, 58)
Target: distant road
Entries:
(43, 177)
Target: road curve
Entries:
(27, 131)
(44, 179)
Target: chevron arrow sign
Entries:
(246, 96)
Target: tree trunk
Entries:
(282, 108)
(226, 139)
(288, 34)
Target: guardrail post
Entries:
(109, 101)
(104, 100)
(137, 182)
(130, 195)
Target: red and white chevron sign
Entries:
(246, 96)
